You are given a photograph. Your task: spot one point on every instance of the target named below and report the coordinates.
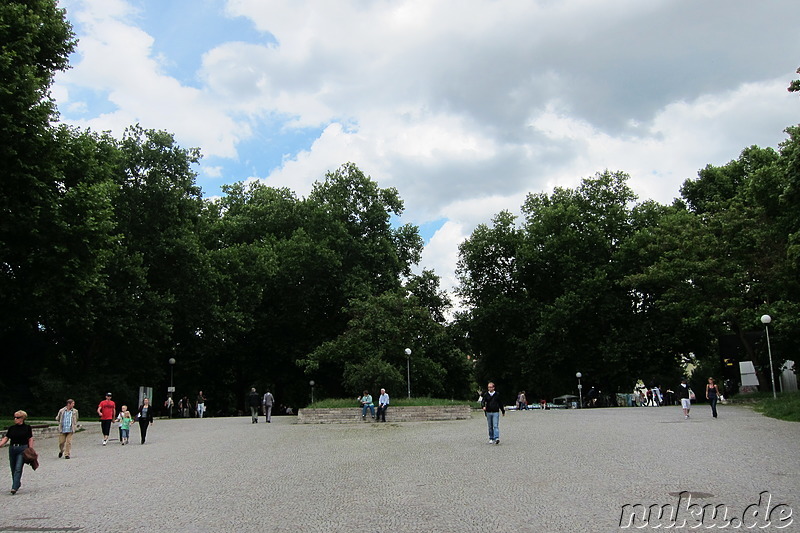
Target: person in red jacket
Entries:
(106, 410)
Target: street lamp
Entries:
(312, 390)
(580, 390)
(408, 370)
(171, 387)
(766, 319)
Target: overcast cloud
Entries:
(464, 106)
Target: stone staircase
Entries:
(393, 414)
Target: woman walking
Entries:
(712, 395)
(145, 418)
(21, 437)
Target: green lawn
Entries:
(394, 402)
(6, 422)
(785, 407)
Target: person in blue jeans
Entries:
(20, 436)
(712, 395)
(492, 406)
(366, 403)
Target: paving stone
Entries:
(554, 471)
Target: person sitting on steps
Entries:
(366, 403)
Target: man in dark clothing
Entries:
(492, 406)
(254, 401)
(684, 394)
(655, 391)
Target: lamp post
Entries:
(408, 370)
(171, 387)
(311, 383)
(580, 390)
(766, 319)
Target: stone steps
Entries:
(393, 414)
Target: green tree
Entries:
(352, 214)
(370, 354)
(299, 264)
(721, 257)
(548, 299)
(35, 42)
(794, 85)
(496, 322)
(61, 273)
(426, 288)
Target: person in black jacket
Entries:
(492, 406)
(20, 435)
(145, 417)
(254, 401)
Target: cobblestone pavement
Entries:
(554, 471)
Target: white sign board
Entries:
(748, 372)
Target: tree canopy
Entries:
(112, 262)
(593, 282)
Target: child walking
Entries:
(125, 420)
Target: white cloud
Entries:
(441, 253)
(465, 106)
(117, 58)
(212, 171)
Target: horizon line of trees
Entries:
(112, 262)
(592, 281)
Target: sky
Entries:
(463, 106)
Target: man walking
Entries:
(492, 405)
(106, 410)
(67, 419)
(684, 395)
(201, 404)
(254, 401)
(268, 401)
(383, 404)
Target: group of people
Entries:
(20, 435)
(686, 395)
(185, 406)
(492, 405)
(367, 404)
(256, 401)
(107, 410)
(650, 394)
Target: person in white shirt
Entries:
(383, 404)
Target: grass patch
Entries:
(6, 422)
(785, 407)
(751, 397)
(333, 403)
